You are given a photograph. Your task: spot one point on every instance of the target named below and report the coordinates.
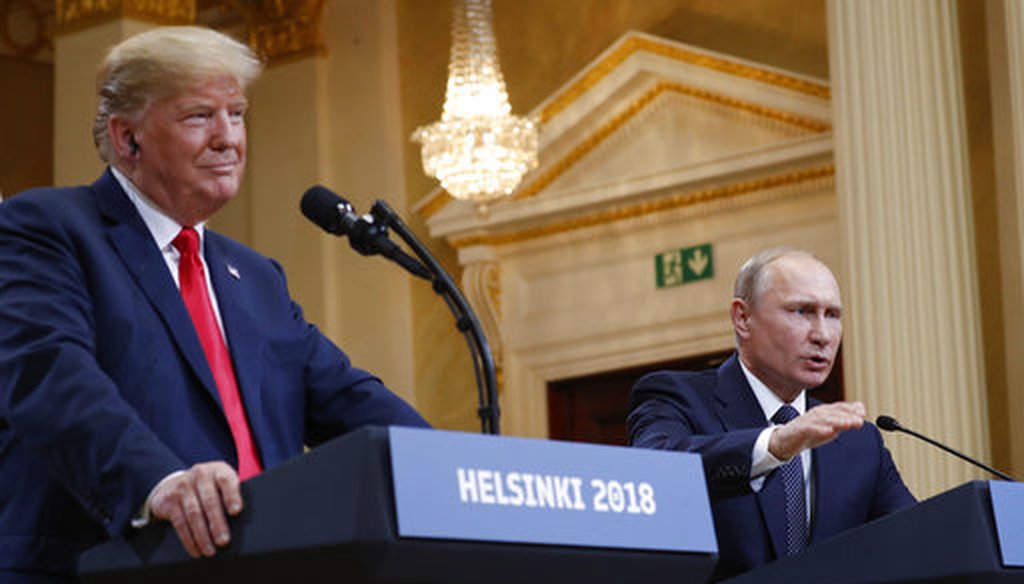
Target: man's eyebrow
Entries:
(807, 300)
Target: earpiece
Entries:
(133, 145)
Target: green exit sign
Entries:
(690, 264)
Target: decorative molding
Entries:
(676, 201)
(482, 284)
(548, 176)
(284, 31)
(434, 204)
(635, 44)
(26, 28)
(73, 15)
(584, 147)
(740, 156)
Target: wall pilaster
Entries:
(913, 343)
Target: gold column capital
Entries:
(281, 31)
(74, 15)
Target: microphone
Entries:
(336, 216)
(890, 424)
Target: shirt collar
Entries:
(766, 398)
(160, 225)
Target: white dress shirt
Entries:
(762, 461)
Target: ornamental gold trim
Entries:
(29, 40)
(481, 282)
(677, 201)
(435, 204)
(74, 15)
(636, 44)
(282, 32)
(638, 105)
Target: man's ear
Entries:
(122, 138)
(740, 313)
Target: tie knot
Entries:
(784, 414)
(187, 241)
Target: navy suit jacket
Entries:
(715, 413)
(104, 387)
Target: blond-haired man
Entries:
(150, 364)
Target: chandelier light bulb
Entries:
(478, 150)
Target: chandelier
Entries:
(478, 150)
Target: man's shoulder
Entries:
(50, 210)
(702, 380)
(682, 387)
(60, 202)
(55, 199)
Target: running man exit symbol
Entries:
(683, 266)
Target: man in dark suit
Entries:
(815, 471)
(123, 398)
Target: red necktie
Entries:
(192, 281)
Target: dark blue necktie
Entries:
(796, 502)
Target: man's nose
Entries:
(820, 333)
(226, 133)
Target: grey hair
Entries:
(750, 279)
(161, 63)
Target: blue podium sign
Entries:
(454, 485)
(1008, 511)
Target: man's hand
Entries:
(818, 426)
(195, 501)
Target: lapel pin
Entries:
(234, 272)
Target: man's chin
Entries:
(224, 189)
(815, 379)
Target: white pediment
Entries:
(647, 116)
(654, 147)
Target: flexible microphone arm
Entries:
(890, 424)
(465, 319)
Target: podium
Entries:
(949, 538)
(330, 516)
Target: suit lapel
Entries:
(830, 476)
(240, 328)
(737, 405)
(133, 243)
(739, 409)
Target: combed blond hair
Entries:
(162, 63)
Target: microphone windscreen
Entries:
(887, 423)
(320, 205)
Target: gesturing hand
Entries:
(818, 426)
(195, 502)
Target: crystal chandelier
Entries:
(478, 150)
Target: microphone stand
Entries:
(889, 423)
(465, 319)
